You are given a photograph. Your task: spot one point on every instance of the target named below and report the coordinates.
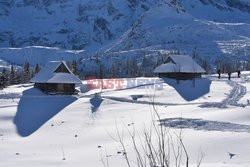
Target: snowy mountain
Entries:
(71, 24)
(38, 54)
(212, 27)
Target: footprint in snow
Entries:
(136, 97)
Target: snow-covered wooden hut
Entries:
(180, 67)
(56, 77)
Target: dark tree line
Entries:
(113, 66)
(118, 68)
(15, 76)
(223, 64)
(133, 67)
(226, 66)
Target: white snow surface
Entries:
(40, 130)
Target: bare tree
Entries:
(155, 146)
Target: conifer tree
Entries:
(101, 74)
(3, 78)
(113, 71)
(32, 74)
(247, 65)
(12, 76)
(26, 73)
(37, 69)
(74, 67)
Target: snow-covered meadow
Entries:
(45, 130)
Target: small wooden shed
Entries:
(181, 67)
(56, 77)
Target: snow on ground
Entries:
(7, 66)
(37, 54)
(41, 130)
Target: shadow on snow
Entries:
(36, 108)
(190, 89)
(95, 101)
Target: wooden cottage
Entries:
(56, 77)
(181, 67)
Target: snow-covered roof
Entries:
(48, 74)
(170, 67)
(179, 63)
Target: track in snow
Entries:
(204, 125)
(233, 98)
(237, 92)
(120, 99)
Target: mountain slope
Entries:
(212, 27)
(211, 31)
(71, 24)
